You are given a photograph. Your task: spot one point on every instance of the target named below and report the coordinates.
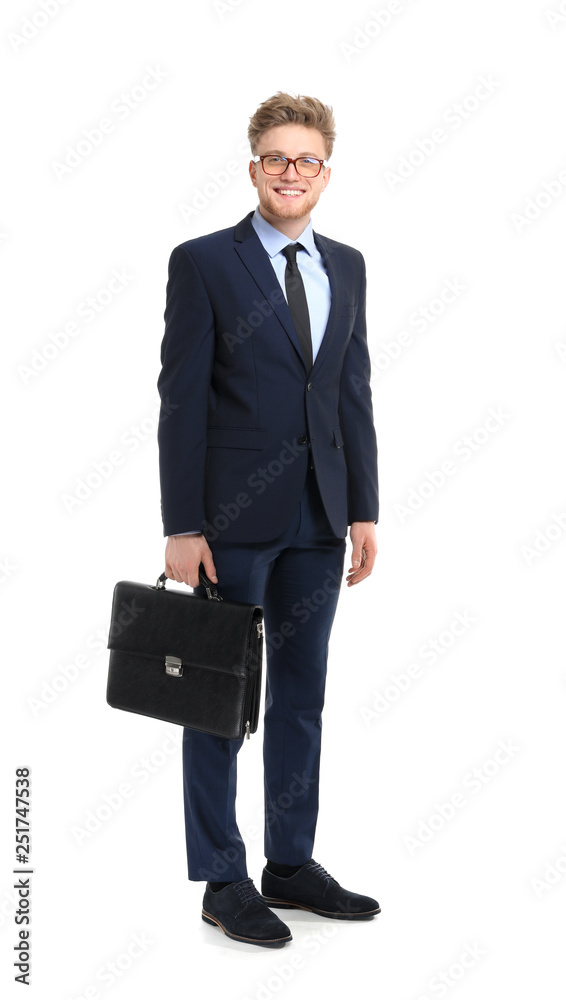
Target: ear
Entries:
(252, 169)
(326, 177)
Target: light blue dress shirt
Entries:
(313, 273)
(311, 267)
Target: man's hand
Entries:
(183, 556)
(364, 551)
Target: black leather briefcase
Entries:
(185, 658)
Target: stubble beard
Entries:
(289, 211)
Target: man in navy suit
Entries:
(267, 453)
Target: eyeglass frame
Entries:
(321, 164)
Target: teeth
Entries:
(292, 192)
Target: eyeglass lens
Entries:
(306, 166)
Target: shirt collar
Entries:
(274, 241)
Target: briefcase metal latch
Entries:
(173, 666)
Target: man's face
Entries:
(275, 199)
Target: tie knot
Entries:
(290, 252)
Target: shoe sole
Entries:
(286, 904)
(269, 943)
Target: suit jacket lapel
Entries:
(249, 248)
(337, 298)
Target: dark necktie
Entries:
(297, 301)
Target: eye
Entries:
(309, 161)
(274, 160)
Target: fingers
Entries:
(183, 556)
(358, 555)
(209, 567)
(171, 573)
(357, 574)
(363, 561)
(177, 573)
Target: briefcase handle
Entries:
(211, 591)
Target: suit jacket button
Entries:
(309, 387)
(303, 439)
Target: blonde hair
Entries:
(284, 109)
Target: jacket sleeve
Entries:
(187, 353)
(356, 420)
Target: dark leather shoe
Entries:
(312, 888)
(240, 912)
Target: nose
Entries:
(291, 166)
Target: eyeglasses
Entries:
(306, 166)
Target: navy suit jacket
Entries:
(240, 414)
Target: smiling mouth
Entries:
(289, 192)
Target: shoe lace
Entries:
(246, 890)
(319, 870)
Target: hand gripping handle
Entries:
(211, 591)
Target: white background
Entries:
(485, 209)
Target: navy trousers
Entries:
(297, 578)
